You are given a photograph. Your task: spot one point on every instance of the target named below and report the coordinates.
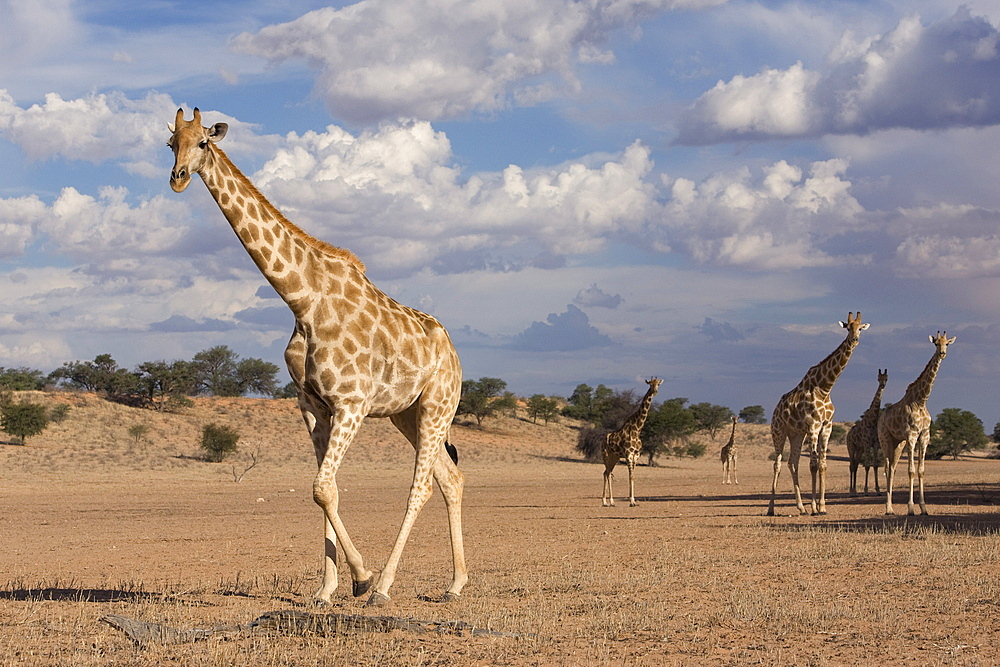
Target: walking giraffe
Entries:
(805, 416)
(354, 352)
(908, 424)
(624, 441)
(728, 455)
(862, 440)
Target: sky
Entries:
(592, 191)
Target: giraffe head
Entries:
(854, 326)
(941, 341)
(883, 377)
(190, 144)
(654, 384)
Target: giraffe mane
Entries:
(311, 241)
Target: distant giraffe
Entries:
(908, 424)
(624, 441)
(728, 456)
(805, 416)
(862, 440)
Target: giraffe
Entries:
(908, 424)
(862, 440)
(624, 441)
(354, 352)
(728, 456)
(805, 416)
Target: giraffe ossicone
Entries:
(625, 441)
(354, 353)
(907, 425)
(804, 418)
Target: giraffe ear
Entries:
(843, 324)
(952, 340)
(865, 325)
(170, 126)
(217, 131)
(931, 339)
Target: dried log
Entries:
(295, 622)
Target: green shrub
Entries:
(218, 441)
(23, 419)
(58, 413)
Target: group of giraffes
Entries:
(803, 418)
(356, 352)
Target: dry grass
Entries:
(95, 524)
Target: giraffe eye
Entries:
(203, 145)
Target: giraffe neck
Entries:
(920, 389)
(823, 375)
(732, 436)
(877, 400)
(638, 418)
(284, 253)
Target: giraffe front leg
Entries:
(735, 478)
(911, 469)
(608, 499)
(924, 442)
(774, 483)
(631, 484)
(890, 472)
(420, 492)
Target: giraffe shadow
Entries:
(57, 594)
(919, 525)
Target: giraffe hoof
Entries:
(359, 588)
(377, 600)
(450, 597)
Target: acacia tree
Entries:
(955, 431)
(753, 414)
(23, 420)
(709, 417)
(540, 406)
(483, 398)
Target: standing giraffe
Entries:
(805, 416)
(862, 440)
(728, 456)
(908, 424)
(354, 352)
(625, 442)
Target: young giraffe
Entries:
(862, 440)
(805, 416)
(625, 442)
(908, 424)
(354, 353)
(728, 456)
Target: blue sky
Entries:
(593, 191)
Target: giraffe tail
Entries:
(452, 451)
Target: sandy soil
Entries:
(94, 523)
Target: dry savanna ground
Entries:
(94, 523)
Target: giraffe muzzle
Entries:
(179, 179)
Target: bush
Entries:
(218, 441)
(58, 413)
(23, 419)
(138, 432)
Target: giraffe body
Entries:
(625, 441)
(863, 448)
(728, 455)
(907, 424)
(354, 352)
(804, 417)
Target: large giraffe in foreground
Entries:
(354, 353)
(625, 441)
(908, 424)
(862, 440)
(804, 416)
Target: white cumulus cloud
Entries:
(915, 76)
(386, 59)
